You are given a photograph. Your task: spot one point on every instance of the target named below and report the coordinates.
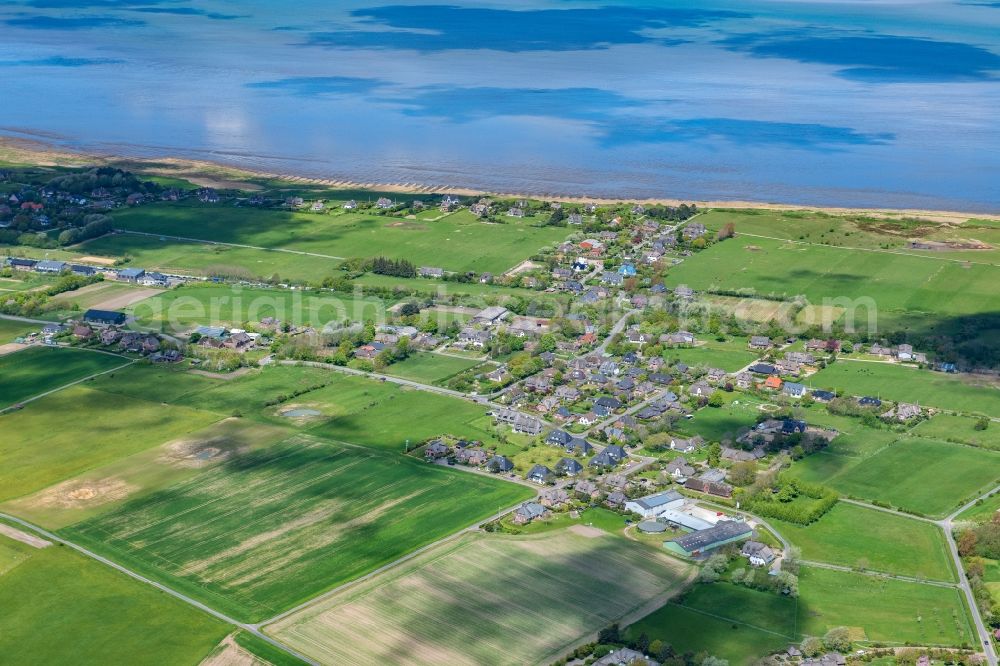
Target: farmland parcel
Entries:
(61, 608)
(486, 599)
(276, 526)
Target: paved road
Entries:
(981, 628)
(947, 524)
(163, 588)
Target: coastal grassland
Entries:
(35, 370)
(891, 232)
(959, 428)
(882, 609)
(458, 242)
(486, 599)
(107, 487)
(852, 536)
(908, 384)
(62, 608)
(900, 285)
(271, 528)
(921, 475)
(66, 433)
(430, 368)
(207, 259)
(218, 304)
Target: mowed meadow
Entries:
(487, 599)
(458, 241)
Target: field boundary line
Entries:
(729, 619)
(239, 245)
(21, 403)
(867, 249)
(160, 586)
(875, 573)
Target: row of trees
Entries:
(394, 267)
(93, 226)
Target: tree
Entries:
(967, 541)
(547, 343)
(714, 661)
(717, 399)
(409, 308)
(811, 646)
(838, 639)
(610, 634)
(714, 454)
(743, 473)
(982, 424)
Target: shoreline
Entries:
(214, 174)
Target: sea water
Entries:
(861, 103)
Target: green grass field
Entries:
(921, 475)
(982, 511)
(741, 625)
(881, 609)
(436, 287)
(429, 368)
(900, 285)
(853, 536)
(486, 599)
(10, 329)
(855, 443)
(456, 242)
(959, 428)
(717, 424)
(907, 384)
(218, 304)
(171, 382)
(385, 415)
(206, 259)
(730, 622)
(274, 527)
(66, 433)
(61, 608)
(107, 487)
(714, 355)
(35, 370)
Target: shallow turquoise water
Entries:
(862, 103)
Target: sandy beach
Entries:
(212, 174)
